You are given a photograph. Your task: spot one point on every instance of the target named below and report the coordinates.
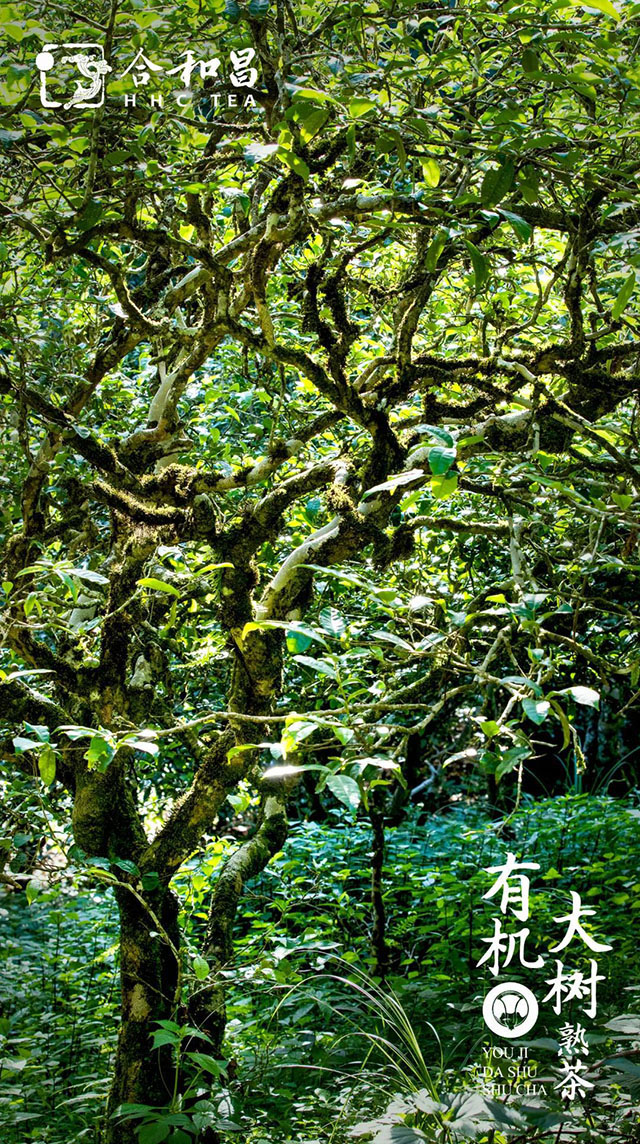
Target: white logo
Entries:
(510, 1010)
(88, 60)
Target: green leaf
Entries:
(399, 1134)
(256, 152)
(312, 124)
(345, 789)
(431, 172)
(490, 728)
(441, 459)
(31, 892)
(90, 575)
(319, 665)
(435, 250)
(436, 431)
(391, 637)
(145, 745)
(511, 759)
(584, 695)
(47, 765)
(158, 585)
(624, 296)
(292, 628)
(154, 1133)
(127, 866)
(90, 215)
(21, 744)
(294, 163)
(297, 642)
(360, 106)
(479, 263)
(536, 709)
(521, 228)
(309, 93)
(150, 881)
(530, 62)
(39, 730)
(200, 968)
(332, 621)
(604, 6)
(395, 482)
(100, 753)
(497, 183)
(444, 487)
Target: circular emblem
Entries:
(44, 61)
(510, 1010)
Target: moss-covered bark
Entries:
(150, 978)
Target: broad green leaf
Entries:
(443, 487)
(604, 6)
(345, 789)
(31, 891)
(391, 637)
(319, 665)
(312, 93)
(441, 459)
(521, 228)
(624, 296)
(312, 124)
(332, 621)
(360, 106)
(90, 575)
(294, 163)
(536, 709)
(256, 152)
(47, 765)
(100, 753)
(291, 627)
(158, 585)
(127, 866)
(21, 744)
(399, 1134)
(297, 642)
(154, 1133)
(510, 760)
(200, 968)
(496, 183)
(490, 728)
(584, 695)
(435, 249)
(479, 263)
(395, 482)
(438, 432)
(431, 172)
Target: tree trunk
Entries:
(379, 934)
(207, 1006)
(149, 976)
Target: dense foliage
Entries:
(319, 435)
